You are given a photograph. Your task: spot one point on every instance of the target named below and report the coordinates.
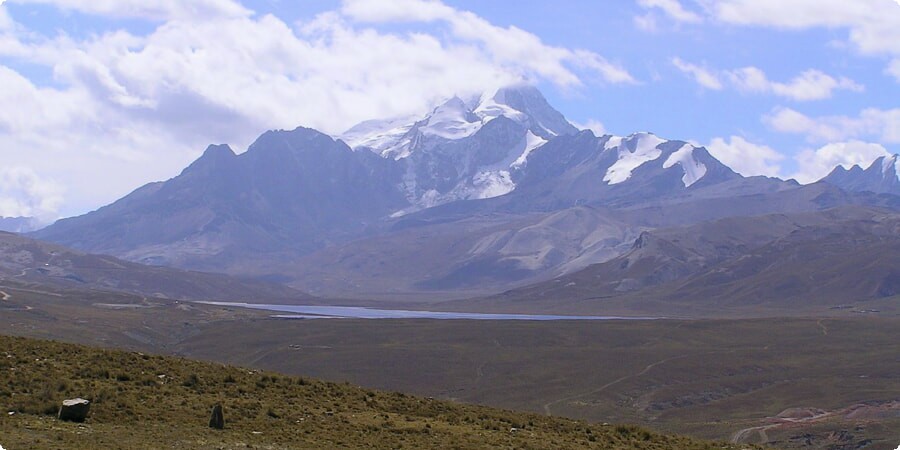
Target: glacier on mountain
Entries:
(531, 143)
(452, 120)
(693, 169)
(384, 137)
(645, 150)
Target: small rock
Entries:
(74, 410)
(217, 419)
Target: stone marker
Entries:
(217, 419)
(74, 410)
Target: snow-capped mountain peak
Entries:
(882, 176)
(491, 144)
(462, 149)
(456, 119)
(642, 148)
(526, 105)
(451, 120)
(492, 106)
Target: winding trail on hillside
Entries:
(741, 435)
(823, 327)
(35, 291)
(26, 269)
(649, 367)
(7, 297)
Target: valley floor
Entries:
(791, 383)
(827, 382)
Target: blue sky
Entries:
(103, 96)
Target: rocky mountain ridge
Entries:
(476, 196)
(882, 176)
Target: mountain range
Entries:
(476, 197)
(882, 176)
(778, 263)
(19, 224)
(38, 267)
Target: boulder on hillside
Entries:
(217, 418)
(74, 410)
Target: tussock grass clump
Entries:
(145, 401)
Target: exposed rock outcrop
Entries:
(217, 418)
(74, 410)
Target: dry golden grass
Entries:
(145, 401)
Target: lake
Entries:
(359, 312)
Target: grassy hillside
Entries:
(144, 401)
(712, 379)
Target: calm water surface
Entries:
(358, 312)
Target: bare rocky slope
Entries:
(27, 263)
(766, 265)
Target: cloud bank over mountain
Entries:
(109, 95)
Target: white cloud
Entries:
(703, 76)
(510, 46)
(894, 69)
(397, 10)
(797, 13)
(872, 25)
(673, 9)
(127, 108)
(24, 194)
(6, 22)
(749, 79)
(149, 9)
(595, 126)
(746, 158)
(646, 22)
(813, 165)
(874, 123)
(607, 71)
(809, 85)
(91, 148)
